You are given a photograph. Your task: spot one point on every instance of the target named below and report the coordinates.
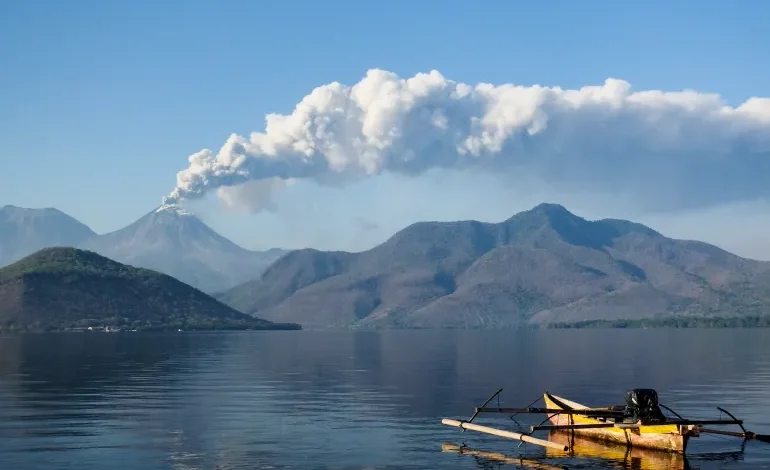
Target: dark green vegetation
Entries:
(542, 266)
(675, 321)
(65, 288)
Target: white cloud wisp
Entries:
(663, 150)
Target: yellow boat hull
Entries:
(664, 437)
(617, 456)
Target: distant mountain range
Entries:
(175, 242)
(167, 239)
(542, 266)
(66, 288)
(25, 231)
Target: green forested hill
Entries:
(61, 288)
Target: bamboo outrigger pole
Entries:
(501, 433)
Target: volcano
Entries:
(174, 241)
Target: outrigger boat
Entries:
(638, 423)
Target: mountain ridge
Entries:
(66, 288)
(200, 257)
(475, 274)
(24, 231)
(174, 241)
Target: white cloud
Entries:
(660, 150)
(252, 196)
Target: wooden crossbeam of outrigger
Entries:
(680, 422)
(591, 412)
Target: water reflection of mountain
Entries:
(95, 361)
(9, 356)
(435, 372)
(426, 372)
(408, 364)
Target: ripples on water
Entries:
(357, 400)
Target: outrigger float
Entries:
(638, 423)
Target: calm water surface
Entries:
(358, 400)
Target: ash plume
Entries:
(674, 149)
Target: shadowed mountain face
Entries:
(175, 242)
(59, 288)
(540, 266)
(25, 231)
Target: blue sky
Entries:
(102, 102)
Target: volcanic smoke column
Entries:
(673, 149)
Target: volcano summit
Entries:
(174, 241)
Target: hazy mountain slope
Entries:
(59, 288)
(175, 242)
(294, 271)
(509, 284)
(422, 258)
(352, 298)
(539, 266)
(25, 231)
